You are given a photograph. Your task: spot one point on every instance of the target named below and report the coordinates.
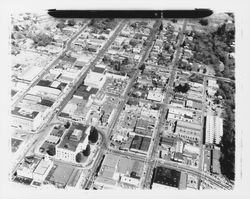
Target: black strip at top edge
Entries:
(196, 13)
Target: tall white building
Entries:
(214, 129)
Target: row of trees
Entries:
(83, 155)
(104, 24)
(62, 24)
(227, 144)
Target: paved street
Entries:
(40, 132)
(150, 159)
(45, 71)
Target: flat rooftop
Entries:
(166, 176)
(22, 113)
(85, 91)
(61, 174)
(98, 69)
(189, 125)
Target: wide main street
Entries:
(124, 99)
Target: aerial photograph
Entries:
(114, 103)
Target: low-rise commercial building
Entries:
(26, 119)
(42, 170)
(187, 130)
(95, 80)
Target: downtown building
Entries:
(214, 129)
(73, 142)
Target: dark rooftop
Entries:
(98, 69)
(46, 102)
(136, 143)
(140, 143)
(82, 91)
(61, 86)
(145, 144)
(45, 83)
(31, 115)
(167, 177)
(78, 66)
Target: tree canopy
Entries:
(42, 39)
(61, 25)
(71, 22)
(67, 125)
(182, 88)
(51, 150)
(86, 152)
(93, 136)
(227, 144)
(203, 22)
(80, 158)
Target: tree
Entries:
(79, 157)
(60, 25)
(204, 70)
(51, 150)
(203, 22)
(42, 39)
(125, 61)
(142, 67)
(182, 89)
(86, 152)
(67, 125)
(93, 136)
(161, 26)
(71, 22)
(16, 28)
